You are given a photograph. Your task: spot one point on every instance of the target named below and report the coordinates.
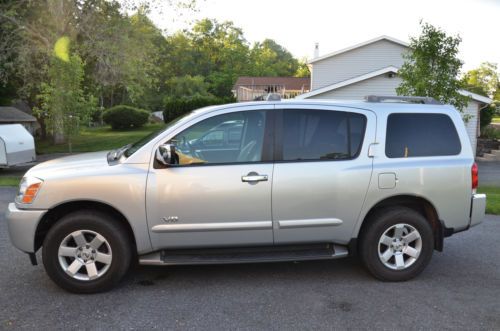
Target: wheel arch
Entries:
(420, 204)
(55, 213)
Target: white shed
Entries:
(16, 145)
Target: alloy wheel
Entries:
(85, 255)
(399, 246)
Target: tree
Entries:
(268, 58)
(431, 67)
(64, 104)
(187, 86)
(303, 69)
(485, 81)
(220, 53)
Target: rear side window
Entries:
(310, 134)
(412, 135)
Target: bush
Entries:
(486, 116)
(175, 107)
(490, 133)
(125, 117)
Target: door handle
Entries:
(254, 177)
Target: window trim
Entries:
(279, 130)
(421, 156)
(267, 145)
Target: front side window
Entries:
(229, 138)
(310, 134)
(413, 135)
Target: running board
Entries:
(244, 254)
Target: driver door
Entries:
(220, 192)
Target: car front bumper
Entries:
(22, 224)
(478, 209)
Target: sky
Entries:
(299, 24)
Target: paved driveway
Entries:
(489, 173)
(459, 290)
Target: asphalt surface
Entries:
(489, 173)
(460, 289)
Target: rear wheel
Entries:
(397, 244)
(86, 252)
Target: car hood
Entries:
(80, 163)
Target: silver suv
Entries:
(257, 182)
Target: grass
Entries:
(495, 120)
(10, 181)
(98, 139)
(492, 199)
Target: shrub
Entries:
(487, 115)
(175, 107)
(125, 117)
(490, 132)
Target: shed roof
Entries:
(12, 114)
(290, 83)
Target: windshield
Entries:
(143, 141)
(132, 148)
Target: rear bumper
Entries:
(478, 209)
(22, 226)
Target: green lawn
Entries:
(98, 139)
(496, 120)
(492, 199)
(10, 180)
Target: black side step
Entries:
(244, 254)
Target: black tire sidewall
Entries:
(382, 221)
(101, 223)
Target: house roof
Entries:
(290, 83)
(368, 42)
(474, 96)
(14, 115)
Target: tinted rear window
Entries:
(310, 134)
(412, 135)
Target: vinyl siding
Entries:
(471, 125)
(356, 62)
(379, 85)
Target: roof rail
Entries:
(383, 98)
(273, 97)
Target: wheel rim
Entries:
(399, 246)
(85, 255)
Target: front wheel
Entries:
(397, 244)
(86, 252)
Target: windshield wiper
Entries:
(117, 153)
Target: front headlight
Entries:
(28, 189)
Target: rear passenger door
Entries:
(322, 172)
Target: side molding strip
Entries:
(228, 226)
(290, 224)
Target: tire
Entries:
(81, 239)
(396, 257)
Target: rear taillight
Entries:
(475, 176)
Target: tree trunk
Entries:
(59, 138)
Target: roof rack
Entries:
(384, 98)
(268, 97)
(273, 97)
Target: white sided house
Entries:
(370, 68)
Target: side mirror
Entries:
(165, 154)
